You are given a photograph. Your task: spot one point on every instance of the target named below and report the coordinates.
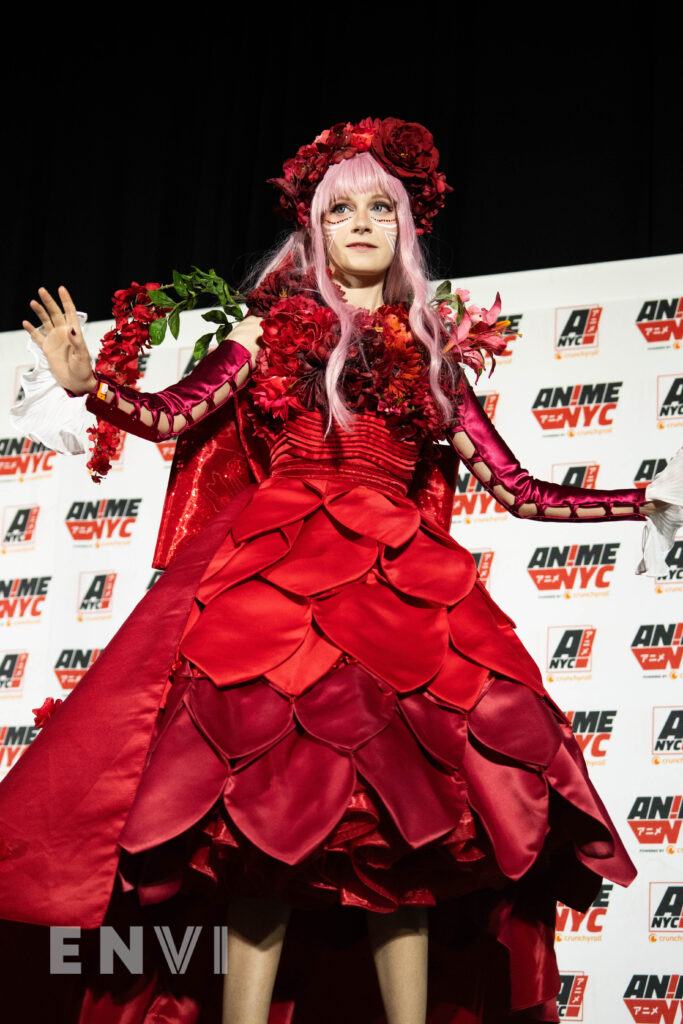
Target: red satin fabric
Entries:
(335, 730)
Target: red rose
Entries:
(45, 711)
(405, 148)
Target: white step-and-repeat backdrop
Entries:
(591, 394)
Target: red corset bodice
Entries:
(368, 454)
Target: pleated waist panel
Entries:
(369, 454)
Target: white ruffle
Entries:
(660, 531)
(46, 413)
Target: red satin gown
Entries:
(320, 701)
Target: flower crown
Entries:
(405, 149)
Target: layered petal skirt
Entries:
(352, 721)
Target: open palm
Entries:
(61, 339)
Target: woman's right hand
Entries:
(61, 339)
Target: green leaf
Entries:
(201, 346)
(157, 331)
(160, 298)
(179, 284)
(174, 323)
(192, 301)
(443, 292)
(222, 332)
(215, 316)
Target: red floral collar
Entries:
(386, 370)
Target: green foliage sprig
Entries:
(189, 289)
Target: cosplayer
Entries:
(318, 708)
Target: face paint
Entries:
(330, 229)
(360, 219)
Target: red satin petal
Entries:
(172, 796)
(322, 557)
(277, 502)
(512, 803)
(243, 562)
(287, 801)
(424, 802)
(403, 643)
(390, 520)
(606, 854)
(477, 631)
(430, 570)
(443, 733)
(240, 720)
(245, 631)
(347, 708)
(536, 735)
(459, 681)
(310, 661)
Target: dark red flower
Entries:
(405, 148)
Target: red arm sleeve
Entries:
(487, 456)
(158, 416)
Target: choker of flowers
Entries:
(386, 371)
(405, 149)
(142, 316)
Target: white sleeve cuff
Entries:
(45, 413)
(659, 533)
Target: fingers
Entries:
(55, 313)
(41, 313)
(34, 332)
(69, 308)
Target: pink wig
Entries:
(406, 279)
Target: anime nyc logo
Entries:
(655, 998)
(72, 664)
(658, 648)
(581, 474)
(570, 652)
(577, 408)
(666, 911)
(20, 458)
(583, 925)
(22, 599)
(669, 401)
(95, 595)
(472, 502)
(512, 332)
(13, 742)
(12, 669)
(648, 470)
(667, 734)
(483, 561)
(592, 731)
(109, 520)
(577, 570)
(656, 822)
(19, 528)
(570, 997)
(576, 330)
(660, 321)
(673, 578)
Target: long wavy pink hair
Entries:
(406, 279)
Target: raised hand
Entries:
(61, 339)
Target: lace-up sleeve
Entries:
(487, 456)
(158, 416)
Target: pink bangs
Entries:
(361, 173)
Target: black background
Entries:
(132, 155)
